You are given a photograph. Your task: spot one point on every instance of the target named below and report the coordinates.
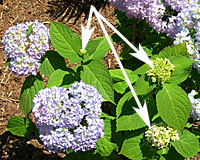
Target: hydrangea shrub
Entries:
(87, 110)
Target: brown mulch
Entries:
(71, 13)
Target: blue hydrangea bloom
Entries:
(68, 118)
(25, 51)
(175, 26)
(195, 105)
(153, 11)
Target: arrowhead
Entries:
(143, 113)
(141, 55)
(86, 34)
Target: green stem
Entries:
(154, 91)
(154, 151)
(158, 88)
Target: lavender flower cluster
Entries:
(177, 27)
(178, 5)
(25, 50)
(153, 11)
(187, 19)
(68, 118)
(150, 10)
(195, 105)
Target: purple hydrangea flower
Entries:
(195, 105)
(177, 27)
(188, 18)
(150, 10)
(68, 118)
(178, 5)
(25, 51)
(24, 65)
(153, 12)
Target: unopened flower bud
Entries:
(161, 71)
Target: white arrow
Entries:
(142, 111)
(87, 32)
(142, 55)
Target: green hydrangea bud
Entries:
(161, 71)
(81, 52)
(160, 136)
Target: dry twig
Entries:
(5, 99)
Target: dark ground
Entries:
(71, 13)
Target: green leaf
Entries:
(31, 86)
(120, 84)
(156, 41)
(143, 86)
(120, 87)
(116, 136)
(148, 51)
(172, 154)
(142, 70)
(29, 29)
(19, 126)
(104, 146)
(125, 52)
(163, 151)
(76, 67)
(69, 151)
(96, 74)
(7, 62)
(107, 129)
(126, 98)
(182, 69)
(51, 62)
(162, 158)
(188, 125)
(131, 148)
(127, 118)
(98, 48)
(105, 115)
(173, 106)
(130, 122)
(188, 145)
(117, 75)
(176, 50)
(195, 77)
(68, 80)
(66, 42)
(56, 78)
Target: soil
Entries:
(71, 13)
